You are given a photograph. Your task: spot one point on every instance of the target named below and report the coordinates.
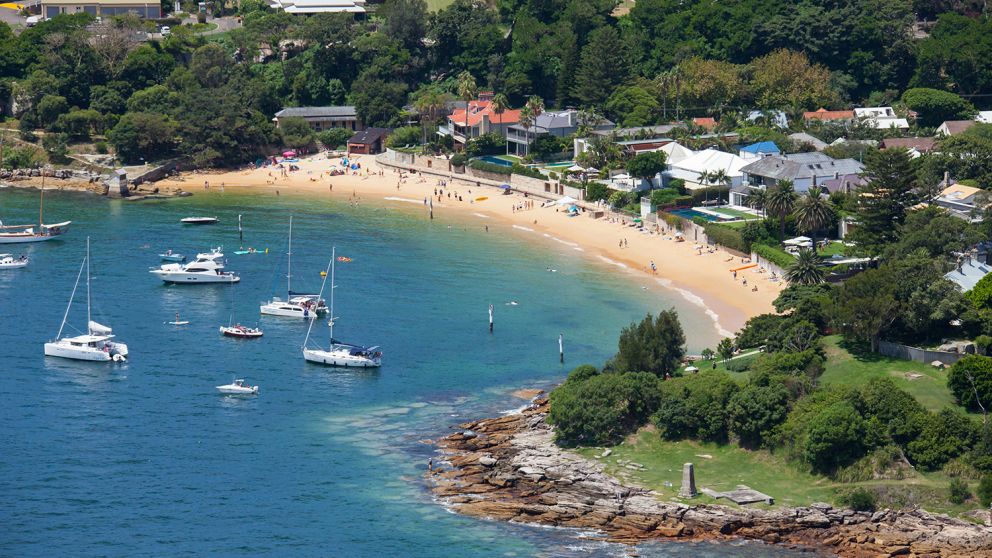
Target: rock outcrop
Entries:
(509, 469)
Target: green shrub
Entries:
(981, 293)
(101, 147)
(726, 236)
(488, 167)
(404, 136)
(859, 499)
(957, 491)
(527, 171)
(970, 380)
(486, 144)
(758, 330)
(458, 160)
(943, 437)
(982, 344)
(596, 191)
(695, 406)
(601, 409)
(778, 257)
(740, 364)
(656, 344)
(334, 138)
(984, 491)
(755, 411)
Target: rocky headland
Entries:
(509, 469)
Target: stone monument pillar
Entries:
(688, 489)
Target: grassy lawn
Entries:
(723, 467)
(846, 368)
(833, 249)
(733, 213)
(437, 5)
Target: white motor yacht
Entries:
(207, 268)
(296, 305)
(97, 343)
(238, 387)
(8, 261)
(338, 353)
(199, 220)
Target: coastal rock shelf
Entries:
(509, 469)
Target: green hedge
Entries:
(490, 167)
(527, 171)
(725, 236)
(778, 257)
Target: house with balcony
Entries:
(102, 8)
(803, 169)
(559, 123)
(693, 169)
(758, 150)
(323, 118)
(477, 118)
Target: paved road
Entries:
(12, 18)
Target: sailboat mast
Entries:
(289, 262)
(323, 284)
(41, 205)
(333, 264)
(65, 317)
(89, 329)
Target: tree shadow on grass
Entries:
(862, 351)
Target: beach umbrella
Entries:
(289, 154)
(575, 168)
(504, 186)
(566, 200)
(623, 176)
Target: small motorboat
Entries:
(170, 256)
(8, 261)
(240, 331)
(242, 252)
(238, 387)
(199, 220)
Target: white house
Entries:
(709, 161)
(318, 6)
(881, 118)
(984, 116)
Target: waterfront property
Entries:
(552, 123)
(881, 118)
(803, 169)
(916, 146)
(103, 8)
(324, 118)
(824, 115)
(703, 163)
(369, 141)
(478, 118)
(759, 150)
(954, 127)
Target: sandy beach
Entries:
(703, 277)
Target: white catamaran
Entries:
(296, 305)
(340, 354)
(97, 344)
(19, 234)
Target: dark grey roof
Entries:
(559, 120)
(801, 165)
(317, 112)
(844, 183)
(369, 136)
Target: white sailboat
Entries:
(97, 344)
(296, 305)
(20, 234)
(338, 353)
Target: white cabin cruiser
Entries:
(8, 261)
(199, 220)
(338, 353)
(238, 387)
(207, 268)
(97, 343)
(296, 305)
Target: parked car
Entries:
(34, 20)
(166, 30)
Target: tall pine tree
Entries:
(602, 65)
(886, 198)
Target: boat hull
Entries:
(14, 265)
(240, 334)
(287, 310)
(93, 354)
(181, 277)
(24, 239)
(340, 359)
(231, 390)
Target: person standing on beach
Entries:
(654, 268)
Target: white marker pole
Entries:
(490, 318)
(561, 348)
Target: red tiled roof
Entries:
(477, 109)
(920, 144)
(707, 122)
(824, 114)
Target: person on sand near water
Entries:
(654, 268)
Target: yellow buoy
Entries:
(323, 274)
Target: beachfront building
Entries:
(758, 150)
(803, 169)
(881, 118)
(676, 152)
(477, 118)
(369, 141)
(103, 8)
(319, 6)
(324, 118)
(694, 169)
(559, 123)
(954, 127)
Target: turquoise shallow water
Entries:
(146, 459)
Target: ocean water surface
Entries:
(146, 459)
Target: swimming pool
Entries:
(690, 213)
(494, 160)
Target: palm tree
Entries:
(806, 269)
(720, 177)
(813, 213)
(534, 108)
(780, 201)
(756, 200)
(498, 105)
(467, 90)
(429, 103)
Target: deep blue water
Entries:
(146, 459)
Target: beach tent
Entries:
(289, 154)
(623, 176)
(504, 186)
(567, 200)
(575, 168)
(799, 241)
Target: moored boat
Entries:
(238, 387)
(241, 332)
(199, 220)
(207, 268)
(170, 256)
(8, 261)
(296, 305)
